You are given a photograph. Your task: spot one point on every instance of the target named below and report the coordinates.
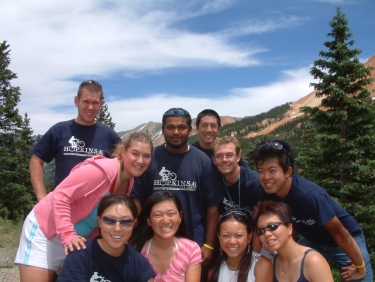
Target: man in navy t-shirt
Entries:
(324, 225)
(71, 142)
(186, 171)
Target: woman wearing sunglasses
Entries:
(67, 216)
(108, 257)
(161, 237)
(293, 262)
(233, 258)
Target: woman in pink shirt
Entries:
(162, 238)
(67, 216)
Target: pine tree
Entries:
(104, 117)
(345, 127)
(16, 196)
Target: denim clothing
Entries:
(335, 254)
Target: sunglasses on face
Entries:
(112, 222)
(176, 112)
(270, 227)
(228, 213)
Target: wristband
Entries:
(360, 266)
(211, 248)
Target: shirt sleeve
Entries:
(196, 254)
(45, 148)
(74, 268)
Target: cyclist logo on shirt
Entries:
(75, 142)
(167, 174)
(169, 181)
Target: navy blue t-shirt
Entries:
(312, 207)
(70, 143)
(209, 153)
(188, 175)
(93, 264)
(244, 198)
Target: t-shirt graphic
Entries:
(96, 278)
(77, 148)
(169, 181)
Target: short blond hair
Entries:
(132, 137)
(226, 140)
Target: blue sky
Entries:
(240, 58)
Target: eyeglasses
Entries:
(228, 213)
(277, 146)
(220, 157)
(90, 81)
(112, 222)
(270, 227)
(176, 112)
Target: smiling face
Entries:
(88, 104)
(273, 178)
(114, 237)
(207, 130)
(274, 240)
(234, 238)
(136, 158)
(176, 134)
(164, 219)
(226, 159)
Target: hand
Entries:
(206, 254)
(349, 273)
(77, 243)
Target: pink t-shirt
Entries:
(187, 255)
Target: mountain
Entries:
(253, 126)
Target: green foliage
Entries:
(16, 193)
(339, 141)
(104, 117)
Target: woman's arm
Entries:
(316, 268)
(263, 270)
(193, 274)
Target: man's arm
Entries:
(212, 221)
(37, 177)
(347, 243)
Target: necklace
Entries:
(281, 271)
(239, 192)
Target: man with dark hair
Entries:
(71, 142)
(324, 225)
(208, 126)
(183, 169)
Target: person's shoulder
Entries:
(62, 124)
(196, 144)
(198, 153)
(188, 243)
(264, 263)
(306, 186)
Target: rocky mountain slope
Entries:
(154, 128)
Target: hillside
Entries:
(258, 125)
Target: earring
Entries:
(248, 250)
(221, 252)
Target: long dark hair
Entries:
(143, 232)
(218, 256)
(114, 199)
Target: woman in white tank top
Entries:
(233, 259)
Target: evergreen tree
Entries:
(16, 194)
(104, 117)
(345, 127)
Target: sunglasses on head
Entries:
(176, 112)
(277, 146)
(112, 222)
(90, 81)
(270, 227)
(228, 213)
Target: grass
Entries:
(9, 238)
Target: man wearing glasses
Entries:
(323, 224)
(239, 184)
(186, 171)
(71, 142)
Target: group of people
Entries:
(125, 211)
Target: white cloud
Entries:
(54, 43)
(239, 102)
